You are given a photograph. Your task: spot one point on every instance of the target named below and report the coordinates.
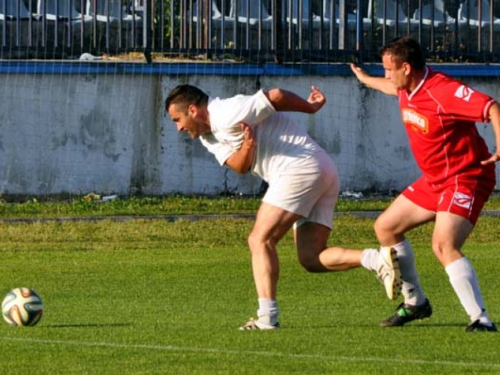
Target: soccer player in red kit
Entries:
(458, 175)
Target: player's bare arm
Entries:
(377, 83)
(286, 101)
(495, 122)
(242, 160)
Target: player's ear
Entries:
(192, 110)
(407, 68)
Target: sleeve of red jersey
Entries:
(464, 102)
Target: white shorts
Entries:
(312, 195)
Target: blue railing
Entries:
(248, 30)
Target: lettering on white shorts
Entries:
(462, 200)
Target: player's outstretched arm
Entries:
(287, 101)
(495, 121)
(242, 160)
(377, 83)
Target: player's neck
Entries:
(204, 115)
(417, 78)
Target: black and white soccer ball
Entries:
(22, 307)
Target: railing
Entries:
(248, 30)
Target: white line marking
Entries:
(245, 352)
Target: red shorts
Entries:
(463, 196)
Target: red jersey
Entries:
(440, 118)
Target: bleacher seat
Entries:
(59, 9)
(389, 13)
(221, 26)
(63, 24)
(19, 25)
(198, 12)
(250, 12)
(469, 13)
(294, 9)
(117, 28)
(434, 13)
(329, 12)
(254, 23)
(14, 10)
(113, 11)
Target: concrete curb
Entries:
(174, 218)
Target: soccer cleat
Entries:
(388, 272)
(407, 313)
(253, 324)
(477, 326)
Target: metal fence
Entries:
(248, 30)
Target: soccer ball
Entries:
(22, 307)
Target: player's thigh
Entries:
(308, 191)
(450, 231)
(311, 239)
(401, 216)
(272, 223)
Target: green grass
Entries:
(171, 205)
(152, 297)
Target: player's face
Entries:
(396, 72)
(188, 120)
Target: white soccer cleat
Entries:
(388, 272)
(253, 324)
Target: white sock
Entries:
(411, 289)
(463, 279)
(369, 259)
(268, 311)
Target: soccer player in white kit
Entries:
(249, 133)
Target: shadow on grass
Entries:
(88, 325)
(409, 326)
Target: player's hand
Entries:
(316, 98)
(493, 159)
(248, 136)
(358, 72)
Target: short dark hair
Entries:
(405, 50)
(185, 95)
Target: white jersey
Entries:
(282, 146)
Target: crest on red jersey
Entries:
(464, 92)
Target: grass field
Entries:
(157, 297)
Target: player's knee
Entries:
(445, 252)
(252, 241)
(385, 230)
(256, 243)
(436, 249)
(380, 227)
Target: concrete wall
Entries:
(81, 133)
